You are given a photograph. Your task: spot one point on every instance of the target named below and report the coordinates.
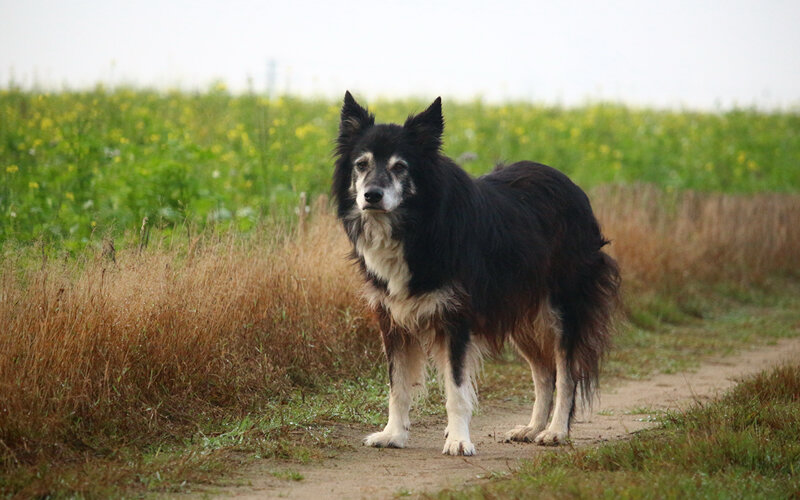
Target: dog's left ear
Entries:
(427, 127)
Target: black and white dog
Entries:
(454, 265)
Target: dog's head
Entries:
(378, 166)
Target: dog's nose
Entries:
(373, 195)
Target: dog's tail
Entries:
(587, 320)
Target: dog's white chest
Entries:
(384, 258)
(383, 255)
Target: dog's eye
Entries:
(399, 166)
(362, 164)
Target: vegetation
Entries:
(743, 446)
(225, 340)
(76, 164)
(226, 327)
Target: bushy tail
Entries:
(587, 319)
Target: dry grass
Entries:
(113, 353)
(665, 241)
(144, 348)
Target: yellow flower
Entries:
(94, 223)
(33, 185)
(302, 131)
(68, 195)
(12, 169)
(604, 149)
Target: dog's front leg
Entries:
(406, 373)
(457, 364)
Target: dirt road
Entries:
(376, 473)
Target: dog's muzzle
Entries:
(373, 199)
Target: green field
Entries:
(77, 164)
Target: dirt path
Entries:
(375, 473)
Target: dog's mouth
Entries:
(374, 208)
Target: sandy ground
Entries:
(383, 473)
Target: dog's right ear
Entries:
(355, 120)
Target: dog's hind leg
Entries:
(536, 342)
(544, 385)
(457, 358)
(558, 430)
(407, 360)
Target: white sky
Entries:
(688, 53)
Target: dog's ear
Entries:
(426, 128)
(355, 120)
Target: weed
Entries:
(289, 475)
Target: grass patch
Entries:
(742, 446)
(296, 429)
(289, 475)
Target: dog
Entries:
(454, 266)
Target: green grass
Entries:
(76, 164)
(289, 475)
(743, 446)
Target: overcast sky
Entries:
(697, 54)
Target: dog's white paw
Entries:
(387, 439)
(522, 433)
(458, 447)
(551, 438)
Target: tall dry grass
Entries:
(666, 240)
(121, 352)
(144, 347)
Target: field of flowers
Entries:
(78, 164)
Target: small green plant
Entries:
(289, 475)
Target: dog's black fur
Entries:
(506, 243)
